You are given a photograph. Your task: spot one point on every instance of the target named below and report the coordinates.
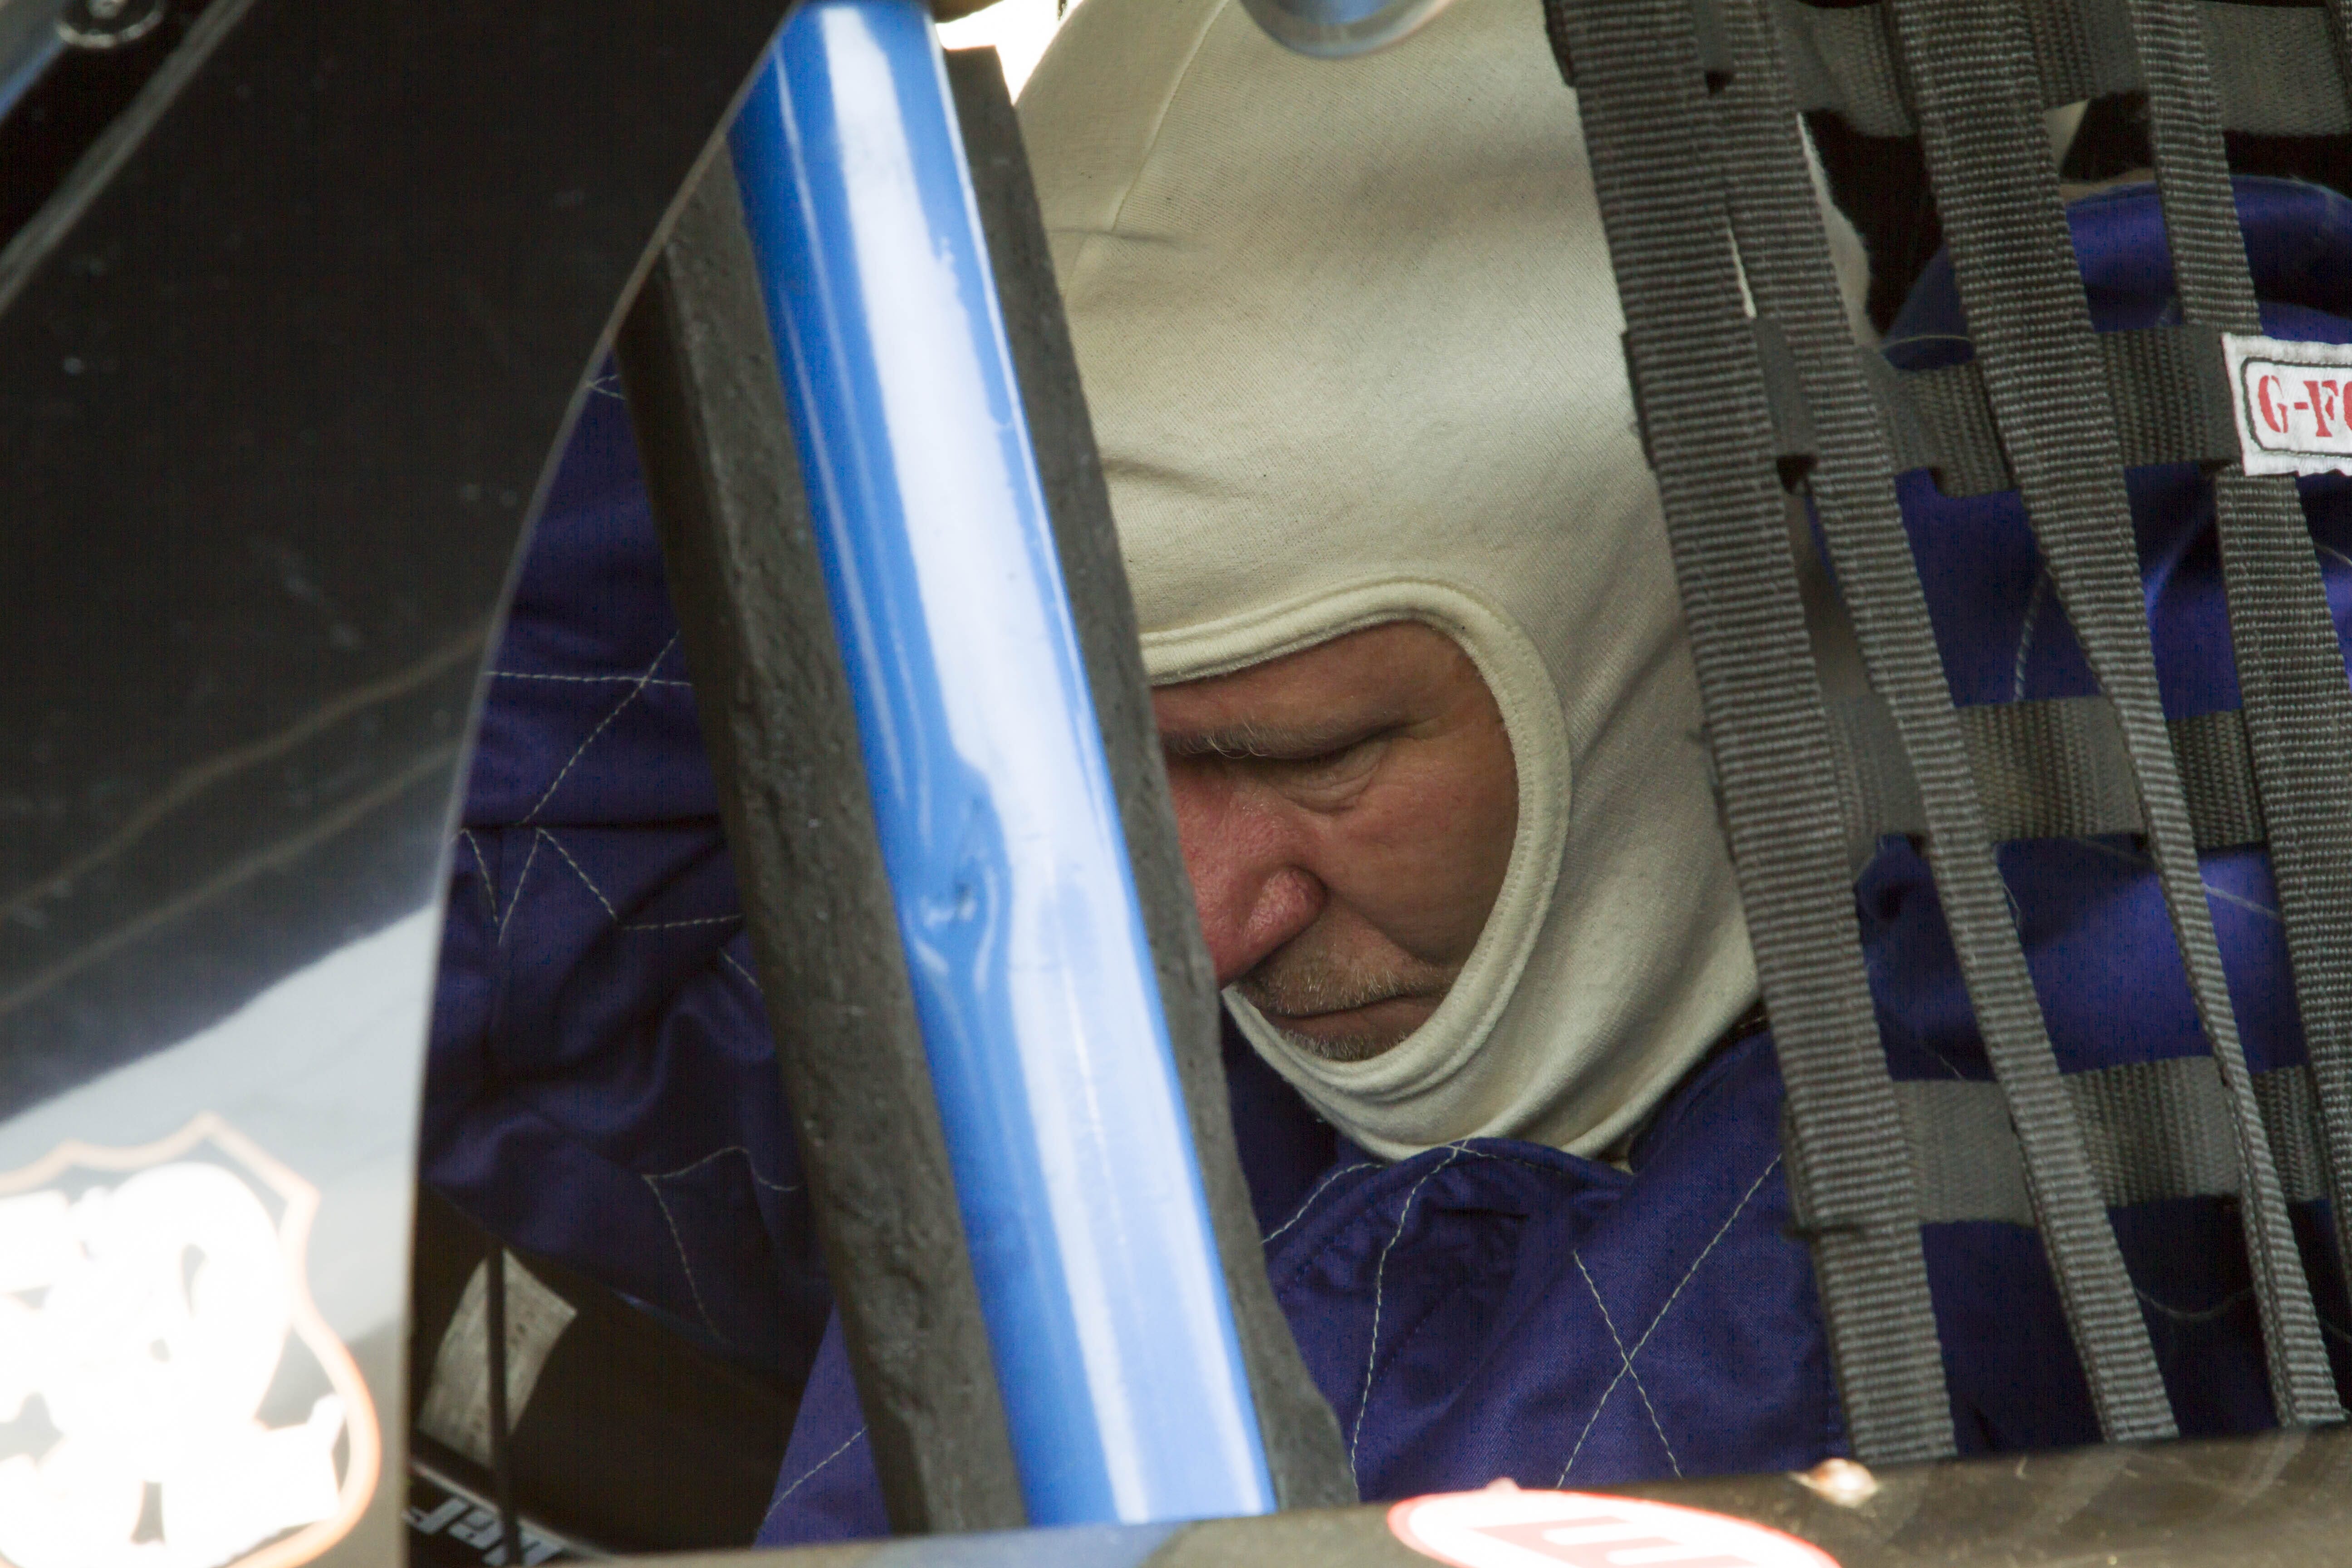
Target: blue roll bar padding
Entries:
(1082, 1200)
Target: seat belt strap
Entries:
(1970, 64)
(2049, 769)
(1697, 373)
(2170, 387)
(2272, 66)
(2155, 1130)
(2298, 703)
(1776, 219)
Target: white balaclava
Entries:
(1350, 337)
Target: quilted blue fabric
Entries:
(1497, 1309)
(601, 1085)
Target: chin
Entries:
(1342, 1047)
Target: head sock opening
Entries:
(1350, 337)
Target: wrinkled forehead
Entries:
(1363, 654)
(1393, 672)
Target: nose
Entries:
(1248, 882)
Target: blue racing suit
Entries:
(603, 1088)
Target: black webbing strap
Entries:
(1777, 221)
(723, 476)
(1970, 64)
(2155, 1130)
(2339, 36)
(2170, 384)
(1696, 377)
(2052, 768)
(2271, 64)
(2297, 702)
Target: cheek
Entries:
(1200, 798)
(1225, 828)
(1422, 854)
(1459, 806)
(1495, 810)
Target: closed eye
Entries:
(1335, 769)
(1324, 770)
(1334, 756)
(1295, 749)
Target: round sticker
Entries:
(1503, 1526)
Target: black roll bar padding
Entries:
(723, 475)
(1309, 1465)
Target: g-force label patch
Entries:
(2294, 404)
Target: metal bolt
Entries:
(1841, 1482)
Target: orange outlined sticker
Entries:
(1504, 1527)
(170, 1396)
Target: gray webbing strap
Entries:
(1776, 219)
(2339, 38)
(2273, 66)
(1953, 415)
(2155, 1130)
(2170, 388)
(1695, 364)
(2298, 703)
(2031, 755)
(2049, 769)
(2169, 385)
(1843, 61)
(2217, 772)
(2291, 1111)
(1970, 63)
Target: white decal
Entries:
(149, 1414)
(457, 1409)
(2294, 404)
(1504, 1527)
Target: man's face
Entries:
(1347, 815)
